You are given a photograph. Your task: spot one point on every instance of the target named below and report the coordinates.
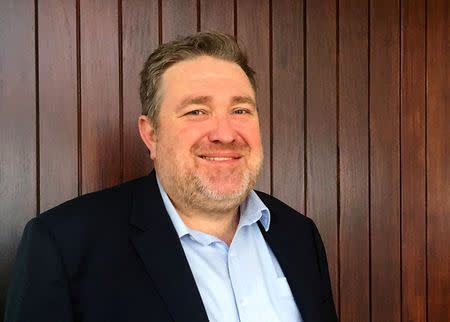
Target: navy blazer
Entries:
(114, 255)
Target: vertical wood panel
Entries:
(99, 94)
(140, 37)
(288, 107)
(179, 18)
(413, 161)
(385, 160)
(438, 160)
(354, 160)
(17, 129)
(321, 148)
(58, 127)
(217, 15)
(253, 21)
(405, 146)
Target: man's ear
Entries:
(148, 134)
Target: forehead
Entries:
(202, 74)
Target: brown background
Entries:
(354, 103)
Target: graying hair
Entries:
(214, 44)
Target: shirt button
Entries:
(231, 254)
(244, 303)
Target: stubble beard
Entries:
(196, 193)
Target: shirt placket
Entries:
(239, 281)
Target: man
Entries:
(192, 241)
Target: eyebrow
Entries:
(194, 100)
(243, 100)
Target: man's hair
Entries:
(214, 44)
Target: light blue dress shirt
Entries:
(243, 282)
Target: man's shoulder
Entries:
(90, 227)
(110, 203)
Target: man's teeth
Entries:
(216, 158)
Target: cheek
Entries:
(176, 147)
(251, 134)
(188, 136)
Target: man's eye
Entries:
(240, 111)
(195, 112)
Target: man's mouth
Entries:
(215, 158)
(223, 157)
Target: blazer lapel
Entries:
(159, 247)
(297, 258)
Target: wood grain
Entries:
(217, 15)
(321, 129)
(253, 32)
(413, 171)
(139, 39)
(58, 120)
(374, 173)
(17, 130)
(288, 108)
(385, 160)
(100, 136)
(438, 160)
(179, 18)
(354, 254)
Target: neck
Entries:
(222, 226)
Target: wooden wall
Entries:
(354, 103)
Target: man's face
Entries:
(207, 151)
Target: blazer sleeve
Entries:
(39, 289)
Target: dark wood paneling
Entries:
(217, 15)
(100, 135)
(321, 147)
(377, 154)
(139, 39)
(354, 161)
(413, 161)
(17, 129)
(253, 21)
(385, 160)
(58, 127)
(179, 18)
(288, 107)
(438, 160)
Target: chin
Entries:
(220, 201)
(233, 190)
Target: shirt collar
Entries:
(252, 209)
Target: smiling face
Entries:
(207, 151)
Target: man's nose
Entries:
(222, 130)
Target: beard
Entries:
(193, 190)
